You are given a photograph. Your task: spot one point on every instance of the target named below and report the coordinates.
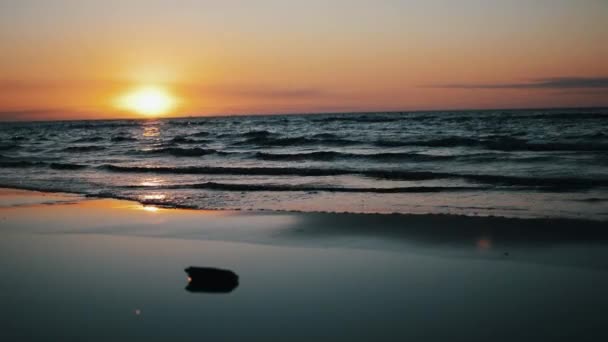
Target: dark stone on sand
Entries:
(211, 280)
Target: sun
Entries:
(149, 101)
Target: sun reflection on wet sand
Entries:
(151, 208)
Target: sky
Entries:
(74, 59)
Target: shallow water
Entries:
(525, 163)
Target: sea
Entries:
(513, 163)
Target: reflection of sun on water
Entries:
(151, 182)
(149, 208)
(150, 132)
(149, 101)
(154, 197)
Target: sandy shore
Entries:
(109, 270)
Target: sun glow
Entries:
(150, 101)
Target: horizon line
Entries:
(195, 116)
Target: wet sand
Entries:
(107, 270)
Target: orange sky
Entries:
(71, 59)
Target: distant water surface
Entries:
(524, 163)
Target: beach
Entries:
(303, 171)
(77, 268)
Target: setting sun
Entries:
(150, 101)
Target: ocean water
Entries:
(520, 163)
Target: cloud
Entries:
(34, 114)
(247, 90)
(542, 83)
(260, 91)
(7, 85)
(286, 92)
(584, 92)
(44, 114)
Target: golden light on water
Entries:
(148, 100)
(154, 197)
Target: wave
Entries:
(592, 200)
(19, 163)
(259, 134)
(88, 139)
(499, 143)
(210, 170)
(372, 118)
(517, 116)
(557, 183)
(514, 144)
(328, 136)
(310, 188)
(185, 140)
(316, 156)
(441, 142)
(121, 138)
(553, 183)
(332, 155)
(88, 148)
(458, 117)
(590, 135)
(200, 121)
(200, 134)
(96, 124)
(269, 141)
(338, 142)
(8, 147)
(575, 116)
(181, 152)
(67, 166)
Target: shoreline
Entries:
(465, 236)
(277, 211)
(263, 115)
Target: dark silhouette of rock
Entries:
(211, 280)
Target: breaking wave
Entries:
(497, 180)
